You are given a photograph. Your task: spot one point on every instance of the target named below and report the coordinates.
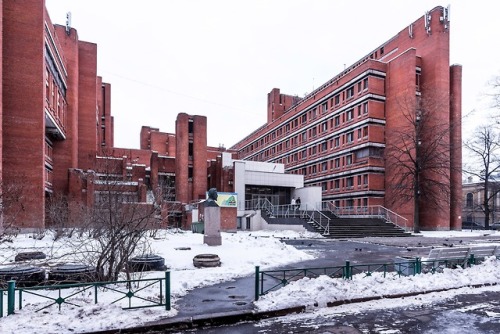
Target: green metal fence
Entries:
(131, 294)
(270, 280)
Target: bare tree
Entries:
(417, 154)
(11, 206)
(484, 147)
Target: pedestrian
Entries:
(292, 203)
(297, 203)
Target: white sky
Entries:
(239, 254)
(220, 58)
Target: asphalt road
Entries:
(465, 314)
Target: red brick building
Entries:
(55, 109)
(338, 135)
(57, 130)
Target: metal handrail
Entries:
(375, 211)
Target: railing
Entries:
(270, 280)
(260, 204)
(317, 217)
(127, 293)
(376, 211)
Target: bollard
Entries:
(11, 297)
(257, 283)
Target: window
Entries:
(324, 146)
(365, 108)
(304, 136)
(337, 163)
(324, 186)
(469, 200)
(313, 150)
(337, 141)
(304, 154)
(337, 99)
(365, 84)
(313, 132)
(349, 114)
(365, 179)
(350, 92)
(337, 121)
(313, 113)
(304, 118)
(348, 160)
(417, 80)
(350, 137)
(324, 166)
(349, 182)
(324, 107)
(324, 126)
(337, 184)
(314, 169)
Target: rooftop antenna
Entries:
(68, 23)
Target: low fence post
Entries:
(418, 266)
(167, 290)
(347, 270)
(11, 297)
(257, 273)
(472, 260)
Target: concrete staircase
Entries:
(347, 228)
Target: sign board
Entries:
(228, 200)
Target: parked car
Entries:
(495, 226)
(472, 226)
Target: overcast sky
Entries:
(220, 58)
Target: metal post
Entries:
(11, 298)
(167, 291)
(1, 303)
(257, 273)
(472, 260)
(418, 266)
(347, 269)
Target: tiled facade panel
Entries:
(87, 97)
(456, 146)
(182, 185)
(23, 135)
(199, 157)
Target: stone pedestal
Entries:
(212, 235)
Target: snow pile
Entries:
(317, 292)
(239, 253)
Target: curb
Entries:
(230, 318)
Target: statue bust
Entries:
(212, 197)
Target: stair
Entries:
(347, 228)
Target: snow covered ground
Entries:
(239, 253)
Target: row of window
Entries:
(54, 98)
(337, 142)
(312, 114)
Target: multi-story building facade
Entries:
(337, 135)
(57, 130)
(55, 109)
(473, 211)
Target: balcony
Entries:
(53, 126)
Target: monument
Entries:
(212, 235)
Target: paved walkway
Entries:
(231, 302)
